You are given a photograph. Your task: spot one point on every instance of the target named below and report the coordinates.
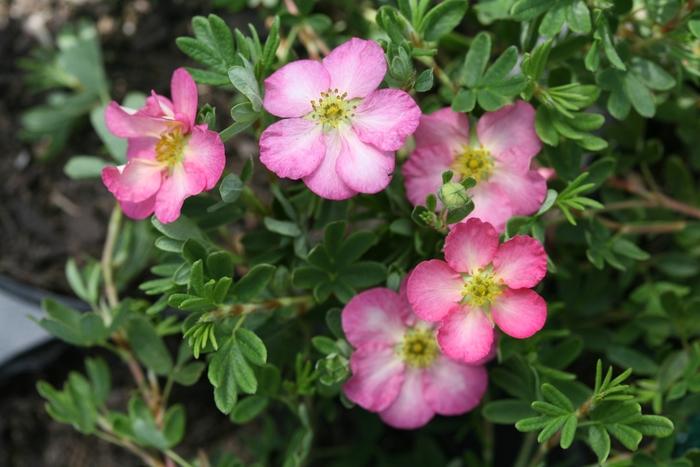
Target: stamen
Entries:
(419, 347)
(482, 288)
(332, 108)
(476, 163)
(170, 147)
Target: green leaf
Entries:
(443, 18)
(285, 228)
(652, 75)
(100, 379)
(639, 95)
(568, 432)
(556, 397)
(249, 408)
(242, 372)
(630, 358)
(500, 69)
(148, 345)
(578, 16)
(507, 411)
(243, 79)
(174, 424)
(189, 374)
(252, 347)
(599, 440)
(524, 10)
(464, 101)
(84, 167)
(143, 426)
(553, 20)
(424, 81)
(253, 283)
(325, 345)
(230, 188)
(626, 435)
(532, 423)
(654, 425)
(476, 60)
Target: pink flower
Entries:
(339, 132)
(480, 284)
(397, 367)
(169, 158)
(499, 160)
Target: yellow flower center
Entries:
(482, 288)
(419, 347)
(476, 163)
(170, 147)
(332, 108)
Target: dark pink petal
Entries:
(491, 205)
(183, 90)
(519, 313)
(126, 125)
(377, 377)
(509, 134)
(525, 191)
(453, 388)
(325, 181)
(423, 170)
(290, 90)
(443, 127)
(137, 181)
(466, 335)
(141, 148)
(363, 167)
(434, 289)
(409, 410)
(140, 210)
(184, 181)
(386, 118)
(205, 151)
(292, 148)
(521, 262)
(374, 316)
(356, 67)
(471, 245)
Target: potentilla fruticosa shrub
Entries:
(475, 220)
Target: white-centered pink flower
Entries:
(479, 285)
(397, 367)
(339, 132)
(169, 158)
(499, 159)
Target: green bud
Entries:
(453, 195)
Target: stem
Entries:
(107, 254)
(302, 303)
(314, 45)
(147, 458)
(525, 450)
(634, 185)
(176, 457)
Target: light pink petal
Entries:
(443, 127)
(386, 118)
(185, 180)
(137, 181)
(325, 181)
(139, 210)
(157, 106)
(466, 335)
(519, 313)
(434, 289)
(356, 67)
(409, 410)
(377, 376)
(509, 134)
(363, 167)
(374, 316)
(423, 171)
(131, 125)
(141, 148)
(521, 262)
(491, 205)
(290, 90)
(292, 148)
(525, 191)
(205, 151)
(471, 245)
(183, 90)
(453, 388)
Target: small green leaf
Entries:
(443, 18)
(252, 347)
(249, 408)
(568, 432)
(476, 59)
(253, 283)
(599, 440)
(148, 345)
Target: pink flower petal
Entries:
(157, 106)
(509, 134)
(356, 67)
(471, 246)
(443, 127)
(423, 170)
(374, 316)
(453, 388)
(325, 181)
(466, 335)
(292, 148)
(141, 148)
(290, 90)
(184, 181)
(525, 191)
(521, 262)
(205, 151)
(377, 376)
(131, 125)
(184, 93)
(519, 313)
(139, 210)
(386, 118)
(137, 181)
(363, 167)
(409, 410)
(491, 205)
(434, 289)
